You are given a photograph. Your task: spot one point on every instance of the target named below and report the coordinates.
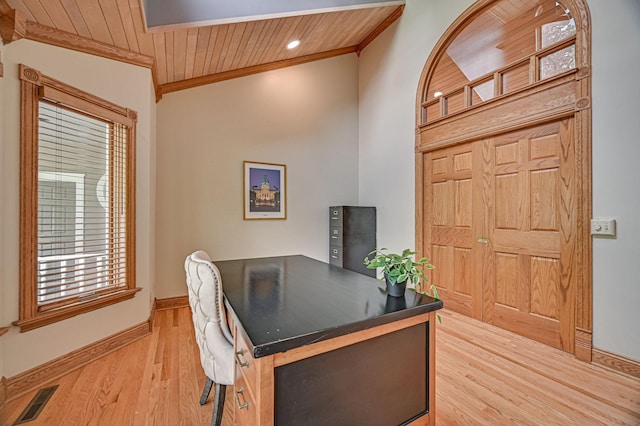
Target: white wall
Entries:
(122, 84)
(149, 188)
(388, 76)
(390, 68)
(3, 321)
(616, 151)
(304, 117)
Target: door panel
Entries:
(499, 225)
(526, 290)
(453, 208)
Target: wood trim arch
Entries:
(580, 109)
(440, 47)
(583, 43)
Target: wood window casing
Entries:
(37, 88)
(565, 95)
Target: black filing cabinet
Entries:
(352, 236)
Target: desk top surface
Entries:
(286, 302)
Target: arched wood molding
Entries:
(574, 93)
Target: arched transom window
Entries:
(509, 46)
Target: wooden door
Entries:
(531, 221)
(500, 225)
(453, 219)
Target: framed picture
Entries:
(264, 191)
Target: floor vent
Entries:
(36, 405)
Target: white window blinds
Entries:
(81, 198)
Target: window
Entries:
(77, 201)
(506, 47)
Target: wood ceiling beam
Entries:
(380, 28)
(52, 36)
(13, 23)
(12, 27)
(48, 35)
(4, 7)
(242, 72)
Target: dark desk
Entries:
(310, 334)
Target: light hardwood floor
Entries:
(486, 376)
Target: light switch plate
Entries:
(603, 226)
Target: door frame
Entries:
(565, 95)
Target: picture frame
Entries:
(264, 190)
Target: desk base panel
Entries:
(382, 381)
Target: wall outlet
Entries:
(603, 226)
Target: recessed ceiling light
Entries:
(437, 94)
(293, 44)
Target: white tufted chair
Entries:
(212, 331)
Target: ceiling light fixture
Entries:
(437, 94)
(293, 44)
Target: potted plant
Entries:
(400, 269)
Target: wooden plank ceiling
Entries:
(190, 56)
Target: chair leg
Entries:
(218, 404)
(205, 391)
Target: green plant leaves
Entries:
(399, 267)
